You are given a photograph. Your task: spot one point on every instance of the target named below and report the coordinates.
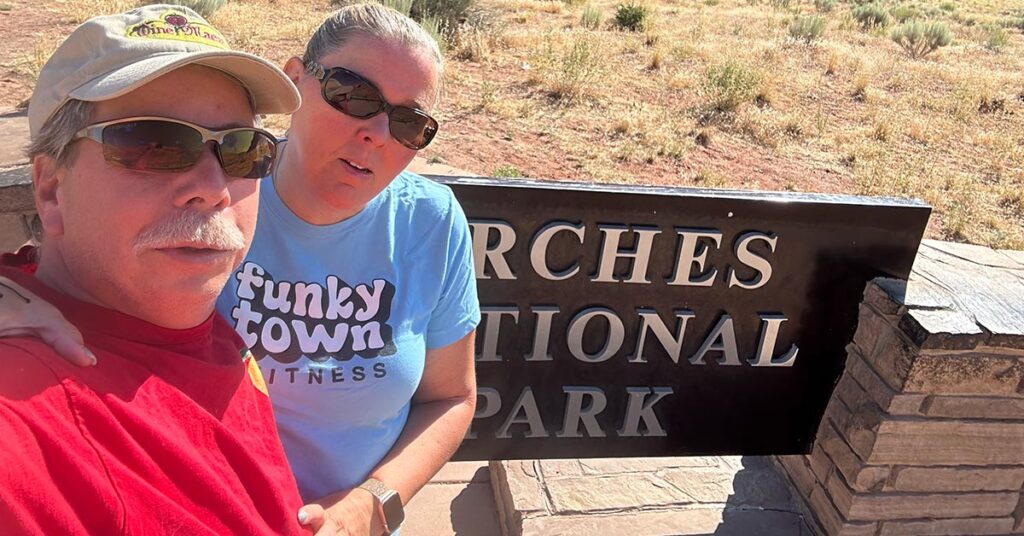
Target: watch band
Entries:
(389, 504)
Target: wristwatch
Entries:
(389, 504)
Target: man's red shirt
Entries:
(171, 432)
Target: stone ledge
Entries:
(961, 295)
(16, 190)
(644, 494)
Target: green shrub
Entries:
(507, 171)
(577, 70)
(808, 28)
(922, 38)
(824, 6)
(402, 6)
(728, 85)
(871, 16)
(206, 8)
(448, 13)
(591, 18)
(438, 30)
(948, 6)
(995, 37)
(632, 16)
(902, 13)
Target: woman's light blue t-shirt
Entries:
(340, 318)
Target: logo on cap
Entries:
(176, 26)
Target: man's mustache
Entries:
(191, 229)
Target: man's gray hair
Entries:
(371, 20)
(55, 136)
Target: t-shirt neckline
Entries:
(90, 317)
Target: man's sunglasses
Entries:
(163, 144)
(355, 96)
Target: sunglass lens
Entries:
(247, 154)
(412, 128)
(352, 95)
(152, 145)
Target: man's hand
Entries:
(346, 513)
(25, 314)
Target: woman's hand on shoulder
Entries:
(23, 314)
(346, 513)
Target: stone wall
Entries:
(925, 432)
(17, 209)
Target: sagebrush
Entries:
(633, 16)
(728, 85)
(591, 18)
(824, 6)
(807, 28)
(919, 39)
(871, 16)
(206, 8)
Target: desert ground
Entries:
(813, 96)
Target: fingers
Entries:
(65, 338)
(312, 516)
(50, 326)
(68, 347)
(24, 313)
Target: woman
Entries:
(358, 294)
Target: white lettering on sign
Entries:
(748, 258)
(494, 241)
(583, 406)
(610, 252)
(721, 339)
(693, 252)
(539, 250)
(485, 255)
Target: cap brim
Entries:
(272, 91)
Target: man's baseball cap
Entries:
(109, 56)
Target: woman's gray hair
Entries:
(57, 133)
(375, 21)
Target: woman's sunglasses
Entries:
(163, 144)
(354, 96)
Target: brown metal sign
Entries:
(638, 321)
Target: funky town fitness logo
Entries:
(286, 320)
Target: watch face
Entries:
(394, 514)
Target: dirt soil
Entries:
(24, 28)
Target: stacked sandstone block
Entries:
(17, 208)
(925, 431)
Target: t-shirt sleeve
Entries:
(458, 310)
(39, 435)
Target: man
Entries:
(144, 157)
